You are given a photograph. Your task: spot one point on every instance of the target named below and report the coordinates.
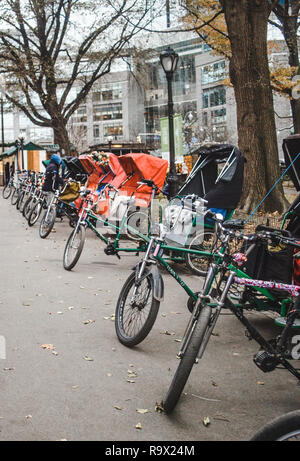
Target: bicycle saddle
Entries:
(236, 224)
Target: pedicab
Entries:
(214, 183)
(127, 199)
(101, 169)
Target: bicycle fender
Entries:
(158, 283)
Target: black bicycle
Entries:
(221, 290)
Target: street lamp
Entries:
(169, 61)
(20, 147)
(109, 140)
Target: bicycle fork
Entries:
(203, 301)
(140, 271)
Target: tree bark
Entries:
(61, 136)
(249, 73)
(288, 19)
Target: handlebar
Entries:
(277, 236)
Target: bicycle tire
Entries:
(281, 429)
(21, 201)
(46, 227)
(34, 214)
(14, 197)
(68, 265)
(26, 207)
(139, 221)
(198, 265)
(187, 361)
(123, 329)
(6, 191)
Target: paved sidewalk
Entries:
(90, 387)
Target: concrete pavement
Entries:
(90, 387)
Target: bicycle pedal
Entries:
(265, 361)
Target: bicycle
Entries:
(29, 182)
(32, 195)
(223, 274)
(142, 292)
(18, 183)
(8, 188)
(134, 223)
(285, 428)
(39, 203)
(56, 208)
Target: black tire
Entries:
(74, 247)
(47, 222)
(6, 191)
(139, 221)
(14, 197)
(283, 428)
(35, 214)
(187, 361)
(22, 201)
(127, 317)
(203, 241)
(19, 199)
(27, 207)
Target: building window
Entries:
(218, 116)
(113, 130)
(107, 92)
(80, 115)
(213, 97)
(213, 72)
(96, 131)
(107, 112)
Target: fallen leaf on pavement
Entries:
(89, 359)
(159, 407)
(48, 346)
(139, 426)
(206, 421)
(142, 411)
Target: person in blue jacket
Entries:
(52, 177)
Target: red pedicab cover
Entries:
(142, 166)
(99, 172)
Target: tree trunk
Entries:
(61, 136)
(249, 73)
(290, 27)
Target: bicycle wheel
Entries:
(135, 316)
(204, 241)
(282, 429)
(20, 194)
(21, 201)
(27, 207)
(74, 247)
(139, 221)
(14, 197)
(187, 361)
(34, 214)
(47, 222)
(7, 190)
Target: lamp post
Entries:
(110, 140)
(20, 146)
(169, 60)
